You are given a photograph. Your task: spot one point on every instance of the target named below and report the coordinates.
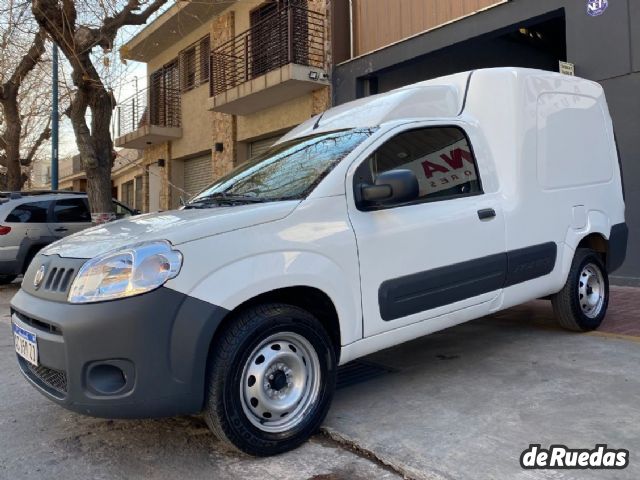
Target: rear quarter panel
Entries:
(543, 177)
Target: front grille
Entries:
(37, 324)
(57, 280)
(50, 276)
(54, 379)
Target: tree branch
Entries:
(30, 59)
(69, 13)
(54, 20)
(45, 134)
(107, 33)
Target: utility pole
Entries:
(54, 119)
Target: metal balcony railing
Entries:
(157, 105)
(291, 35)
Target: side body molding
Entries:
(423, 291)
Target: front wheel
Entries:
(271, 379)
(582, 303)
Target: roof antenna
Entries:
(317, 124)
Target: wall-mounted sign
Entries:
(596, 7)
(567, 68)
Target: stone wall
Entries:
(223, 125)
(321, 100)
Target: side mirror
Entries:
(391, 188)
(135, 212)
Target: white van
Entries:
(377, 222)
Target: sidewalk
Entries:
(464, 403)
(623, 316)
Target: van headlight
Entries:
(126, 272)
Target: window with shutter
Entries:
(205, 54)
(194, 64)
(188, 67)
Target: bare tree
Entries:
(22, 44)
(78, 27)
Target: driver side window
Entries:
(440, 157)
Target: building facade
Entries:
(127, 177)
(225, 80)
(392, 44)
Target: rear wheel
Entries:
(271, 380)
(582, 303)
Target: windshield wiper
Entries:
(219, 198)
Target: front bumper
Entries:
(159, 342)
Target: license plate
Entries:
(26, 344)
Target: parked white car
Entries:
(377, 222)
(31, 220)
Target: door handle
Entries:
(61, 229)
(486, 213)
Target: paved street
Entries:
(459, 404)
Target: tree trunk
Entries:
(60, 20)
(95, 144)
(12, 133)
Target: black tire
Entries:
(29, 258)
(227, 415)
(7, 279)
(568, 303)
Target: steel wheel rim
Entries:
(280, 382)
(591, 290)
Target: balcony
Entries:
(149, 117)
(279, 58)
(170, 27)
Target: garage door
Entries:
(198, 174)
(260, 146)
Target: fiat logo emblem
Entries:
(39, 276)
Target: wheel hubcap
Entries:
(280, 382)
(591, 290)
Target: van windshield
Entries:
(287, 171)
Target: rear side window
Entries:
(32, 212)
(72, 210)
(440, 157)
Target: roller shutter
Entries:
(198, 173)
(260, 146)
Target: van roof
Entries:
(442, 97)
